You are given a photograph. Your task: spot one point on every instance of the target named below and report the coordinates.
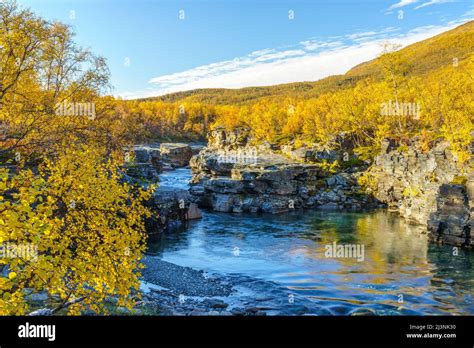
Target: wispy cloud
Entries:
(432, 2)
(402, 3)
(371, 35)
(309, 60)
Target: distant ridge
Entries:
(422, 57)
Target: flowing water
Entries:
(399, 271)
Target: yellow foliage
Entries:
(85, 228)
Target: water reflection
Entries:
(401, 272)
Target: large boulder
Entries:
(176, 154)
(299, 154)
(171, 208)
(141, 165)
(222, 139)
(193, 212)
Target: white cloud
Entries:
(402, 3)
(432, 2)
(311, 45)
(360, 35)
(309, 60)
(371, 35)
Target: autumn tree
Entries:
(42, 67)
(84, 225)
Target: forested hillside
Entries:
(434, 76)
(428, 55)
(422, 57)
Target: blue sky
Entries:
(157, 46)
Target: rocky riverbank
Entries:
(144, 163)
(172, 206)
(427, 187)
(169, 289)
(232, 175)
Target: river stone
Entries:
(193, 212)
(176, 154)
(470, 194)
(300, 154)
(450, 223)
(196, 148)
(215, 303)
(362, 312)
(221, 139)
(273, 185)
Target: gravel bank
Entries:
(169, 289)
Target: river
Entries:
(400, 273)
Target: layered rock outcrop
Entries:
(171, 206)
(145, 162)
(232, 175)
(176, 154)
(427, 188)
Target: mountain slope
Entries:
(428, 55)
(422, 57)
